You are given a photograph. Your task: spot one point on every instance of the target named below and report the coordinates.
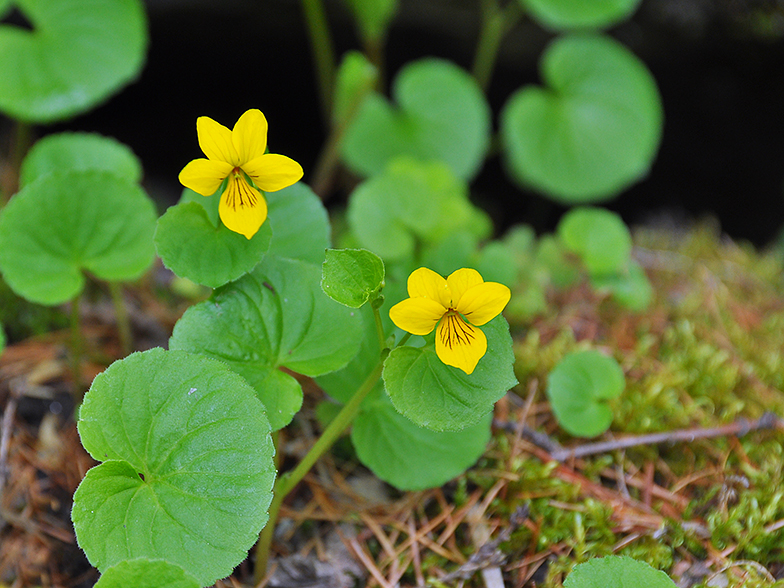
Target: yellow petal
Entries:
(483, 302)
(418, 316)
(425, 283)
(204, 176)
(273, 172)
(461, 280)
(250, 136)
(459, 344)
(215, 141)
(242, 209)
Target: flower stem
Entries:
(323, 52)
(76, 345)
(288, 481)
(496, 22)
(121, 316)
(22, 138)
(382, 342)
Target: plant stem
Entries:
(22, 138)
(121, 316)
(76, 350)
(496, 22)
(288, 481)
(382, 342)
(323, 52)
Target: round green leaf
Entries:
(593, 131)
(79, 152)
(412, 202)
(352, 276)
(188, 465)
(76, 56)
(616, 572)
(104, 225)
(275, 316)
(599, 237)
(146, 573)
(192, 247)
(575, 14)
(411, 457)
(441, 114)
(580, 386)
(445, 398)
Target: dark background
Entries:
(719, 65)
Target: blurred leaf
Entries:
(592, 131)
(441, 114)
(575, 14)
(104, 225)
(146, 573)
(186, 451)
(374, 16)
(411, 203)
(630, 288)
(76, 56)
(599, 237)
(79, 152)
(355, 79)
(616, 572)
(578, 389)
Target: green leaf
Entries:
(593, 131)
(411, 457)
(441, 114)
(599, 237)
(275, 316)
(551, 257)
(576, 14)
(300, 224)
(630, 288)
(374, 16)
(146, 573)
(352, 276)
(445, 398)
(2, 339)
(187, 456)
(355, 79)
(580, 386)
(77, 55)
(616, 572)
(104, 225)
(65, 152)
(192, 247)
(411, 203)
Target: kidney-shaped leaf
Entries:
(599, 237)
(79, 152)
(616, 572)
(146, 573)
(352, 276)
(577, 14)
(445, 398)
(593, 131)
(193, 247)
(411, 457)
(580, 386)
(277, 315)
(77, 54)
(300, 224)
(441, 114)
(188, 464)
(65, 223)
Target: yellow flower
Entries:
(239, 154)
(458, 305)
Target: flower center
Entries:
(455, 331)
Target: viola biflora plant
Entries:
(187, 481)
